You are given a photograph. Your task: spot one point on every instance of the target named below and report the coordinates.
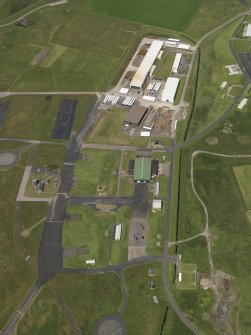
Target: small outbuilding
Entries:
(23, 22)
(118, 231)
(156, 189)
(131, 167)
(157, 205)
(155, 168)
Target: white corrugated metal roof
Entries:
(242, 103)
(145, 133)
(170, 89)
(248, 31)
(146, 64)
(157, 204)
(124, 90)
(148, 97)
(118, 232)
(176, 62)
(184, 46)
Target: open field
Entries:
(35, 118)
(49, 155)
(174, 326)
(89, 231)
(9, 8)
(103, 291)
(211, 101)
(126, 183)
(30, 219)
(87, 63)
(243, 176)
(45, 316)
(20, 275)
(140, 302)
(230, 231)
(108, 129)
(99, 169)
(119, 253)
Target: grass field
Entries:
(45, 316)
(210, 101)
(243, 176)
(119, 253)
(9, 8)
(126, 183)
(89, 231)
(164, 65)
(31, 218)
(102, 297)
(140, 302)
(188, 279)
(108, 130)
(101, 169)
(20, 275)
(32, 117)
(229, 226)
(88, 62)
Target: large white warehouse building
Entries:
(145, 66)
(170, 89)
(176, 62)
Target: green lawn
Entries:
(101, 169)
(9, 8)
(140, 304)
(90, 297)
(33, 117)
(126, 182)
(243, 176)
(45, 316)
(89, 231)
(164, 65)
(49, 155)
(119, 252)
(108, 130)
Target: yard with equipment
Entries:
(96, 173)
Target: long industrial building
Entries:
(146, 64)
(170, 89)
(176, 62)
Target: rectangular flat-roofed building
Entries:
(145, 66)
(176, 62)
(142, 169)
(247, 31)
(135, 115)
(170, 89)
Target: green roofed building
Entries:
(142, 170)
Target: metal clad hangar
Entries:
(142, 170)
(145, 66)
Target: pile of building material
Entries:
(154, 86)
